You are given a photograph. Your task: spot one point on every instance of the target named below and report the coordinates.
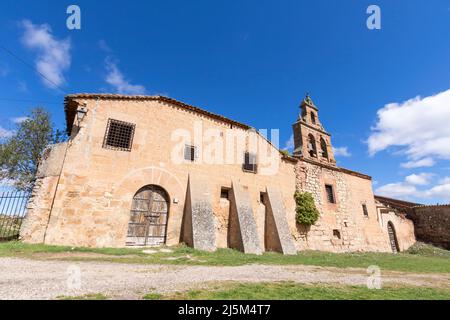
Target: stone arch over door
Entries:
(149, 217)
(393, 240)
(123, 192)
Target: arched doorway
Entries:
(393, 238)
(148, 217)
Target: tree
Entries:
(306, 211)
(21, 153)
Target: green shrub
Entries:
(306, 211)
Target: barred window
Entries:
(250, 162)
(190, 153)
(330, 193)
(119, 135)
(365, 211)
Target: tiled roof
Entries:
(395, 203)
(70, 112)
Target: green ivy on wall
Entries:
(306, 211)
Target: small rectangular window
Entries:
(262, 197)
(250, 162)
(336, 234)
(330, 193)
(225, 193)
(190, 153)
(119, 135)
(365, 211)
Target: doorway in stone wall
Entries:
(148, 217)
(393, 238)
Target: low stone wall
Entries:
(432, 225)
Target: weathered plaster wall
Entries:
(94, 196)
(39, 207)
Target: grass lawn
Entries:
(292, 291)
(92, 296)
(421, 258)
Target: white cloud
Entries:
(445, 180)
(117, 80)
(425, 162)
(408, 189)
(397, 190)
(341, 152)
(18, 120)
(420, 179)
(419, 126)
(290, 144)
(441, 191)
(4, 133)
(53, 55)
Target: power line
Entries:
(31, 67)
(31, 101)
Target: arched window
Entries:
(313, 118)
(323, 148)
(312, 150)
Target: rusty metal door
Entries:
(393, 238)
(148, 220)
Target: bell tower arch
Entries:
(310, 138)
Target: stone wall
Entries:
(34, 227)
(95, 189)
(342, 226)
(86, 200)
(432, 224)
(403, 226)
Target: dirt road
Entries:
(38, 279)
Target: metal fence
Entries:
(13, 209)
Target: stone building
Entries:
(151, 170)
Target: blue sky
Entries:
(253, 61)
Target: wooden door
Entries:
(393, 238)
(148, 217)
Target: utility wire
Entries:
(31, 101)
(31, 67)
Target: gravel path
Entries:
(36, 279)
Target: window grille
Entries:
(330, 194)
(190, 153)
(119, 135)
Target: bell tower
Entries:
(310, 138)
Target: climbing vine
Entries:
(306, 211)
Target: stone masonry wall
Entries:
(432, 224)
(342, 226)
